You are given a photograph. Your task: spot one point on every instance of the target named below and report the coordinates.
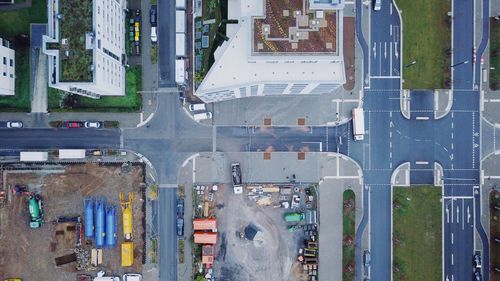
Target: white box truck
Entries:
(180, 4)
(34, 156)
(180, 72)
(71, 153)
(358, 123)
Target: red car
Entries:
(73, 124)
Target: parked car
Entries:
(152, 15)
(367, 258)
(132, 277)
(180, 207)
(377, 5)
(93, 124)
(477, 276)
(137, 48)
(202, 116)
(14, 124)
(73, 124)
(197, 107)
(154, 37)
(236, 173)
(477, 261)
(180, 226)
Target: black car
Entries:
(477, 261)
(180, 208)
(152, 15)
(180, 227)
(236, 173)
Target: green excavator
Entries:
(35, 204)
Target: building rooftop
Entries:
(204, 224)
(75, 27)
(294, 28)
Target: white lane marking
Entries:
(447, 215)
(458, 213)
(385, 50)
(396, 49)
(452, 210)
(452, 238)
(390, 58)
(452, 261)
(451, 135)
(390, 134)
(452, 125)
(468, 215)
(390, 144)
(391, 9)
(374, 50)
(451, 146)
(422, 118)
(390, 154)
(390, 29)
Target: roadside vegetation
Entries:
(417, 233)
(349, 224)
(15, 26)
(494, 54)
(131, 102)
(426, 41)
(495, 234)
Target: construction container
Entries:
(33, 156)
(89, 218)
(100, 232)
(71, 153)
(127, 214)
(127, 253)
(111, 226)
(180, 21)
(294, 217)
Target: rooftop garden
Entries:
(75, 21)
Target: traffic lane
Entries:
(59, 138)
(458, 238)
(463, 19)
(421, 100)
(482, 233)
(382, 101)
(166, 43)
(380, 229)
(167, 234)
(379, 140)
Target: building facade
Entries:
(8, 69)
(85, 46)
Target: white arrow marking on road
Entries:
(447, 279)
(468, 214)
(447, 215)
(391, 124)
(396, 49)
(451, 156)
(374, 50)
(458, 220)
(385, 50)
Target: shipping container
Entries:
(180, 4)
(180, 72)
(100, 217)
(89, 218)
(110, 226)
(180, 21)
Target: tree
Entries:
(212, 5)
(200, 278)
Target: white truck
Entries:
(71, 153)
(358, 124)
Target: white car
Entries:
(377, 5)
(14, 124)
(132, 277)
(154, 36)
(197, 107)
(202, 116)
(93, 124)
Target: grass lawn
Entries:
(12, 24)
(494, 54)
(131, 102)
(349, 221)
(494, 233)
(426, 37)
(417, 233)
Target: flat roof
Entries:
(74, 58)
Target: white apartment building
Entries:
(261, 57)
(8, 69)
(86, 46)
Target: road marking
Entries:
(458, 212)
(447, 215)
(451, 146)
(391, 124)
(452, 125)
(391, 10)
(390, 57)
(452, 210)
(385, 77)
(390, 134)
(390, 144)
(390, 29)
(374, 50)
(390, 154)
(452, 238)
(451, 135)
(463, 213)
(468, 214)
(421, 162)
(451, 197)
(452, 261)
(396, 49)
(385, 51)
(422, 118)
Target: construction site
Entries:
(255, 231)
(72, 222)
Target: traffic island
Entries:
(417, 240)
(426, 43)
(348, 221)
(494, 54)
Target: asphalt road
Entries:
(166, 39)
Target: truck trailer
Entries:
(358, 124)
(34, 156)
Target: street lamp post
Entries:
(411, 63)
(463, 62)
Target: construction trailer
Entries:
(127, 254)
(71, 153)
(34, 156)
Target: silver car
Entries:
(14, 124)
(93, 124)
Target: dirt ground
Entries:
(272, 256)
(349, 52)
(29, 253)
